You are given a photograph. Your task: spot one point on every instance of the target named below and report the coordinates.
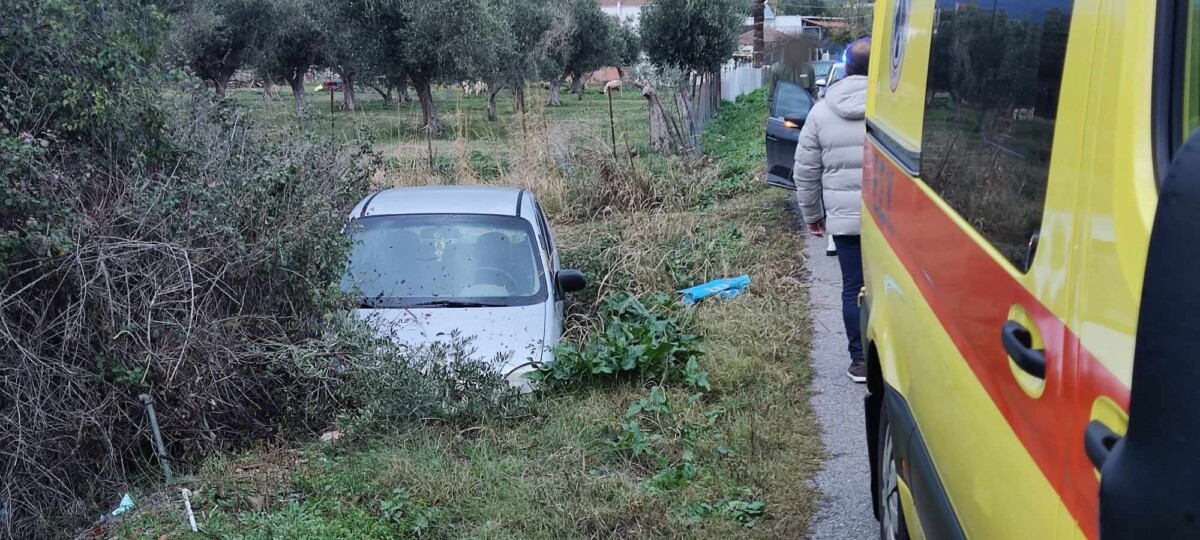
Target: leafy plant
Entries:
(412, 517)
(643, 336)
(676, 476)
(636, 440)
(747, 512)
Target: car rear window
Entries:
(413, 260)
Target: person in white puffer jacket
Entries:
(828, 176)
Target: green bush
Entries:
(647, 337)
(387, 386)
(152, 241)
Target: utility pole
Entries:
(759, 14)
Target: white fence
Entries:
(740, 79)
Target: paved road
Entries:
(844, 512)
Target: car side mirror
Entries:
(820, 82)
(570, 280)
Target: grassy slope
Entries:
(555, 474)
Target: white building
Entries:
(624, 10)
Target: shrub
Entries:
(389, 386)
(647, 337)
(151, 242)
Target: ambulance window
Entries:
(1191, 97)
(995, 76)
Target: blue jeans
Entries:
(849, 254)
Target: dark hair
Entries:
(858, 56)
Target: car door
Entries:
(554, 326)
(789, 107)
(988, 242)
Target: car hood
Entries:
(510, 337)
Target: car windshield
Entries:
(444, 260)
(838, 73)
(791, 100)
(821, 69)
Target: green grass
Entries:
(738, 136)
(735, 461)
(462, 115)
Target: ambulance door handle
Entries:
(1098, 442)
(1018, 343)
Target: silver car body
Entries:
(515, 337)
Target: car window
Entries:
(790, 99)
(821, 69)
(995, 75)
(547, 239)
(838, 73)
(403, 261)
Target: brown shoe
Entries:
(858, 371)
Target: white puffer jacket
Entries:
(829, 158)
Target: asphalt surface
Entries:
(844, 511)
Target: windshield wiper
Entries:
(453, 304)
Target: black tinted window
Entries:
(995, 76)
(790, 98)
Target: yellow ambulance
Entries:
(1031, 248)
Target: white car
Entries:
(474, 261)
(836, 74)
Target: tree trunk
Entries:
(578, 85)
(297, 84)
(403, 89)
(683, 100)
(384, 92)
(555, 99)
(349, 98)
(429, 114)
(519, 97)
(660, 132)
(493, 90)
(716, 92)
(268, 92)
(221, 82)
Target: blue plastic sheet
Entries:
(722, 288)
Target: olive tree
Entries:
(580, 41)
(520, 47)
(347, 51)
(695, 37)
(446, 41)
(215, 38)
(295, 42)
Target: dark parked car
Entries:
(789, 108)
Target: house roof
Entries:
(826, 22)
(770, 35)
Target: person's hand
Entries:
(817, 229)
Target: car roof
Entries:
(492, 200)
